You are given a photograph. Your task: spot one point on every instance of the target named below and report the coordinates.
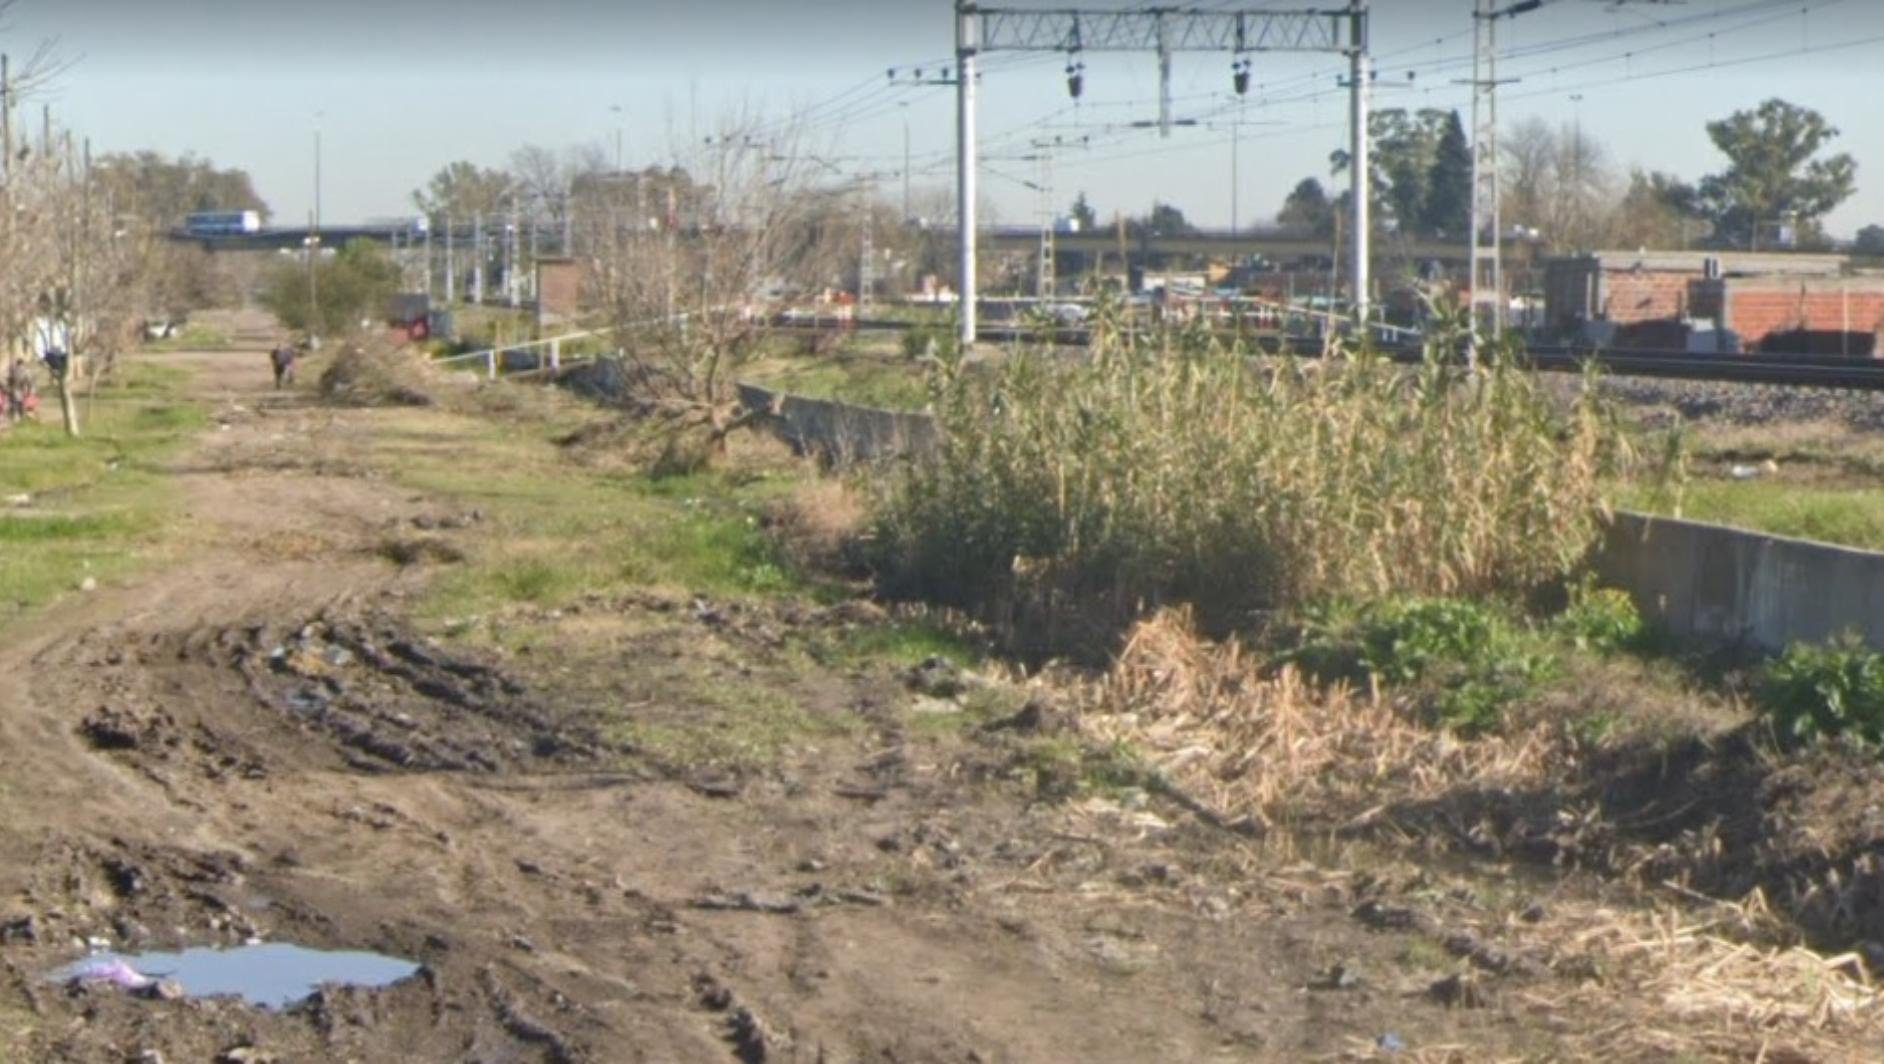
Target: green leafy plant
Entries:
(1601, 618)
(1467, 658)
(1825, 690)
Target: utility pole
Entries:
(512, 282)
(451, 264)
(905, 107)
(1046, 280)
(967, 48)
(477, 258)
(615, 109)
(314, 238)
(1362, 163)
(1487, 289)
(866, 260)
(6, 114)
(1236, 137)
(1163, 31)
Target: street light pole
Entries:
(615, 109)
(1236, 136)
(314, 243)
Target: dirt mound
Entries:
(377, 374)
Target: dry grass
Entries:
(1687, 983)
(1277, 748)
(1653, 979)
(376, 373)
(820, 526)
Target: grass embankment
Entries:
(95, 505)
(566, 530)
(556, 529)
(1813, 480)
(866, 369)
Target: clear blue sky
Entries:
(402, 86)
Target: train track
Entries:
(1808, 371)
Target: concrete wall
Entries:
(1717, 583)
(839, 432)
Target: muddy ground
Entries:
(254, 742)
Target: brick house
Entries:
(1723, 301)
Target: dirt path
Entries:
(250, 743)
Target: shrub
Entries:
(1178, 471)
(376, 374)
(1602, 618)
(1467, 660)
(350, 286)
(819, 526)
(1819, 691)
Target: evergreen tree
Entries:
(1448, 207)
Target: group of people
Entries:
(22, 394)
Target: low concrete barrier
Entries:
(1716, 583)
(839, 432)
(1699, 581)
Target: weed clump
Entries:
(820, 527)
(1185, 472)
(1468, 660)
(1602, 619)
(376, 375)
(1826, 691)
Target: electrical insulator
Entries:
(1240, 76)
(1075, 79)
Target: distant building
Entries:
(558, 289)
(1714, 301)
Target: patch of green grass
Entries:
(97, 500)
(29, 529)
(888, 382)
(1062, 767)
(1848, 516)
(741, 725)
(980, 706)
(557, 529)
(902, 644)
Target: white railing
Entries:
(489, 356)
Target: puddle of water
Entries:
(272, 974)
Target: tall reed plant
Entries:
(1177, 470)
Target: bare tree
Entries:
(545, 181)
(682, 261)
(1558, 181)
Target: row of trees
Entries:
(1565, 185)
(81, 261)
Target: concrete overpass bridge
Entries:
(1275, 244)
(295, 236)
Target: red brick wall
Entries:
(1629, 296)
(1755, 310)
